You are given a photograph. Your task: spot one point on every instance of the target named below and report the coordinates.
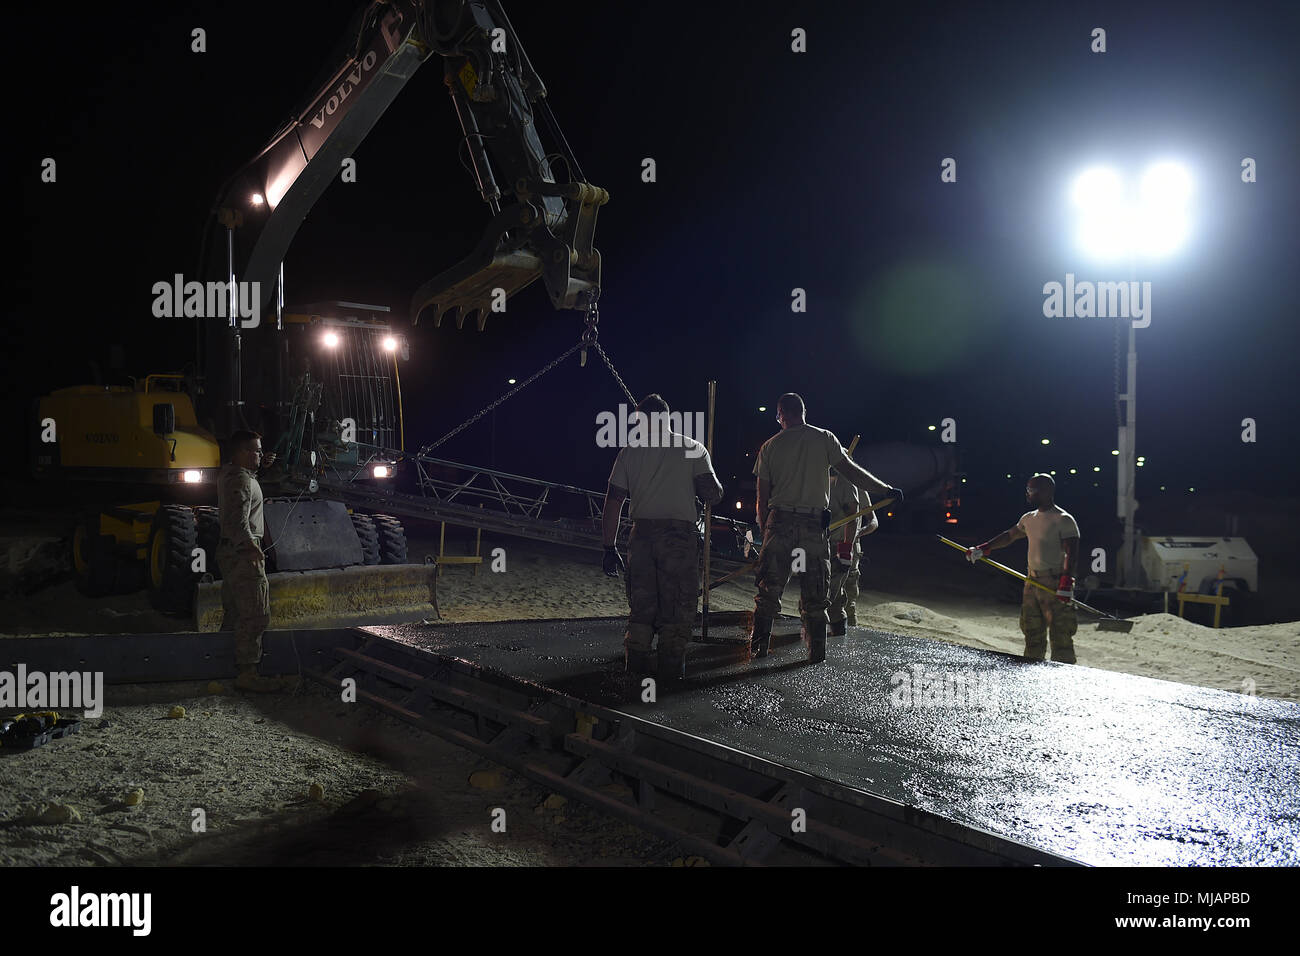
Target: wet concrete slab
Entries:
(1105, 768)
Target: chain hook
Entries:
(589, 334)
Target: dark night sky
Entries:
(775, 170)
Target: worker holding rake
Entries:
(1053, 556)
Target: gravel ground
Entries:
(231, 783)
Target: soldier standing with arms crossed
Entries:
(793, 471)
(663, 478)
(1053, 555)
(245, 594)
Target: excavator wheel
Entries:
(369, 536)
(94, 559)
(392, 539)
(172, 540)
(209, 536)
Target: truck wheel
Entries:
(208, 523)
(172, 540)
(94, 559)
(392, 539)
(368, 534)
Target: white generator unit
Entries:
(1165, 559)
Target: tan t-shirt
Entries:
(239, 505)
(796, 464)
(1046, 530)
(845, 498)
(660, 482)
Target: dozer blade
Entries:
(468, 286)
(339, 597)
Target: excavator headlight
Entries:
(382, 471)
(192, 475)
(331, 340)
(390, 343)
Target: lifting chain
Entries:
(588, 340)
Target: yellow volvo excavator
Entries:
(320, 382)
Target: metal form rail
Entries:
(514, 503)
(713, 801)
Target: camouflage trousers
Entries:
(245, 603)
(783, 535)
(663, 583)
(1041, 614)
(842, 590)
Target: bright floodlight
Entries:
(381, 471)
(390, 344)
(331, 340)
(1118, 219)
(192, 476)
(257, 199)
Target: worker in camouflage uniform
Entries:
(846, 553)
(1053, 555)
(793, 472)
(245, 596)
(662, 475)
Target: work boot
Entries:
(672, 668)
(253, 682)
(815, 634)
(760, 639)
(851, 616)
(838, 629)
(637, 665)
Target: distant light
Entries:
(1051, 472)
(930, 427)
(1008, 476)
(1162, 487)
(390, 344)
(737, 504)
(889, 514)
(510, 381)
(1141, 463)
(1074, 471)
(1114, 451)
(1191, 489)
(762, 408)
(331, 340)
(192, 476)
(381, 471)
(1047, 441)
(949, 520)
(1094, 484)
(947, 514)
(1096, 467)
(258, 199)
(963, 481)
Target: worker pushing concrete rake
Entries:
(1106, 622)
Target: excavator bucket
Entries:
(517, 248)
(339, 597)
(469, 286)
